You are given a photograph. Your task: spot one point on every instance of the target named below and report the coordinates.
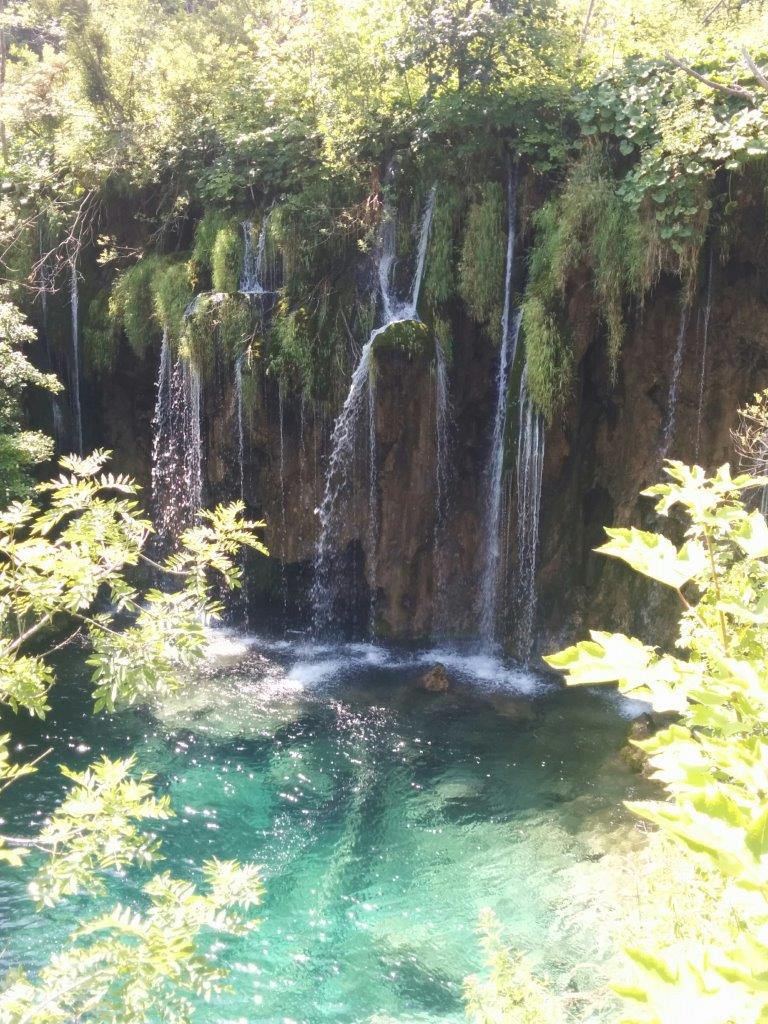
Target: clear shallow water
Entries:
(385, 820)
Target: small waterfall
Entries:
(530, 463)
(704, 345)
(252, 279)
(46, 279)
(74, 304)
(344, 437)
(510, 330)
(442, 463)
(668, 429)
(177, 450)
(240, 424)
(281, 470)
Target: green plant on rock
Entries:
(440, 272)
(227, 258)
(713, 761)
(131, 304)
(171, 295)
(219, 324)
(482, 262)
(206, 232)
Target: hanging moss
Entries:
(100, 335)
(440, 278)
(206, 231)
(220, 324)
(291, 347)
(483, 255)
(412, 337)
(444, 334)
(227, 259)
(171, 294)
(131, 304)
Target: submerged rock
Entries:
(642, 728)
(436, 680)
(512, 706)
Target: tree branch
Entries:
(730, 90)
(761, 78)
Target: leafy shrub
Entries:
(713, 761)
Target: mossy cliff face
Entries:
(604, 448)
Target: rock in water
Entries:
(436, 680)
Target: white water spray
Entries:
(177, 450)
(510, 331)
(345, 429)
(252, 279)
(530, 464)
(704, 345)
(74, 305)
(668, 430)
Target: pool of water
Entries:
(385, 819)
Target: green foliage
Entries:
(58, 558)
(227, 259)
(100, 335)
(482, 263)
(171, 294)
(218, 323)
(510, 993)
(409, 336)
(131, 304)
(440, 277)
(206, 232)
(20, 449)
(94, 830)
(141, 967)
(713, 760)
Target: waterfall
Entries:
(177, 450)
(668, 429)
(442, 462)
(344, 437)
(510, 330)
(251, 281)
(240, 424)
(46, 278)
(74, 304)
(704, 345)
(281, 470)
(530, 463)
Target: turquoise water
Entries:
(385, 819)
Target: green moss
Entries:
(219, 324)
(483, 254)
(131, 304)
(171, 294)
(440, 274)
(227, 259)
(549, 356)
(101, 336)
(444, 334)
(206, 231)
(410, 336)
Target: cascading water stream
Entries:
(530, 463)
(252, 279)
(177, 451)
(74, 305)
(442, 472)
(344, 437)
(510, 330)
(704, 345)
(668, 430)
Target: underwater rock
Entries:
(642, 728)
(436, 680)
(516, 708)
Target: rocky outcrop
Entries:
(435, 680)
(600, 453)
